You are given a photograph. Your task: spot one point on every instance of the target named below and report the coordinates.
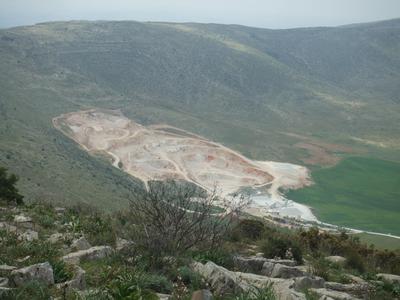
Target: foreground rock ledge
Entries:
(225, 282)
(40, 272)
(97, 252)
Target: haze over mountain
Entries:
(258, 91)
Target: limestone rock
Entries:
(29, 236)
(163, 296)
(360, 287)
(267, 268)
(223, 281)
(55, 238)
(42, 272)
(220, 279)
(336, 295)
(80, 244)
(355, 279)
(7, 227)
(340, 260)
(391, 278)
(93, 253)
(22, 219)
(123, 245)
(5, 270)
(3, 282)
(325, 298)
(305, 282)
(23, 259)
(202, 295)
(59, 210)
(286, 262)
(282, 271)
(251, 264)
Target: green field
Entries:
(380, 242)
(361, 193)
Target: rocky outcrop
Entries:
(336, 259)
(56, 238)
(202, 295)
(324, 293)
(348, 288)
(3, 282)
(277, 270)
(254, 264)
(8, 227)
(5, 270)
(92, 253)
(80, 244)
(355, 279)
(123, 245)
(23, 221)
(28, 236)
(225, 282)
(221, 280)
(282, 271)
(306, 282)
(391, 278)
(40, 272)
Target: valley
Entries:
(300, 97)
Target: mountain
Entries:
(270, 94)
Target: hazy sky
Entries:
(260, 13)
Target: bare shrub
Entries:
(172, 217)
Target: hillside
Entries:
(270, 94)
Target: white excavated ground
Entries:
(160, 152)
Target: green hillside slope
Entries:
(245, 87)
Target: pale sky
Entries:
(259, 13)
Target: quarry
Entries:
(160, 152)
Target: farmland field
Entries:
(361, 193)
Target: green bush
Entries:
(43, 213)
(319, 267)
(251, 229)
(220, 256)
(282, 247)
(254, 293)
(355, 261)
(157, 283)
(97, 227)
(138, 286)
(62, 272)
(190, 278)
(8, 190)
(11, 249)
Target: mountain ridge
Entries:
(254, 90)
